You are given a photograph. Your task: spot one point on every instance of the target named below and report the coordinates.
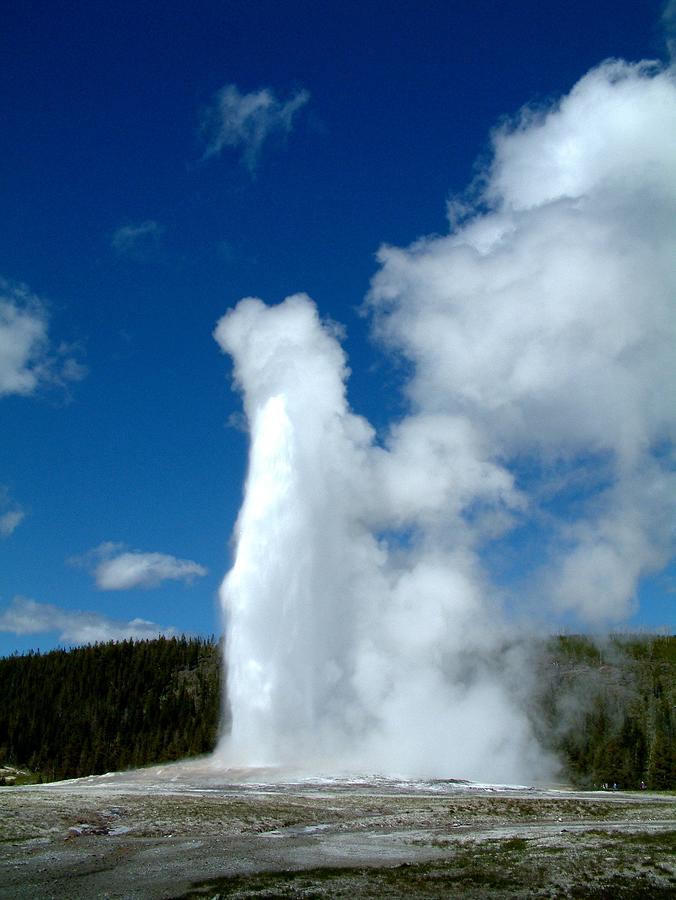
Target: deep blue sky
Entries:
(100, 105)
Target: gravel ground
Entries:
(190, 831)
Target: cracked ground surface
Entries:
(183, 831)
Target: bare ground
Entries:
(186, 831)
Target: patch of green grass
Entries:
(24, 778)
(404, 880)
(663, 840)
(471, 870)
(622, 889)
(476, 869)
(18, 838)
(515, 843)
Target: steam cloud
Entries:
(366, 602)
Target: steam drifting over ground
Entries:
(364, 607)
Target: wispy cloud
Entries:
(669, 27)
(117, 569)
(10, 520)
(11, 514)
(245, 122)
(24, 616)
(28, 360)
(137, 240)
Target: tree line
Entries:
(109, 706)
(606, 709)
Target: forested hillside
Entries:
(606, 709)
(109, 706)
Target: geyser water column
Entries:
(346, 651)
(288, 597)
(264, 596)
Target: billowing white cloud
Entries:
(28, 360)
(117, 569)
(547, 326)
(247, 121)
(540, 336)
(24, 616)
(137, 240)
(599, 139)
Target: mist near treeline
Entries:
(528, 484)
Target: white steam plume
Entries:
(547, 326)
(363, 608)
(290, 658)
(339, 654)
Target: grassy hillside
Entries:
(606, 709)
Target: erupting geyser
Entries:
(292, 593)
(341, 653)
(533, 471)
